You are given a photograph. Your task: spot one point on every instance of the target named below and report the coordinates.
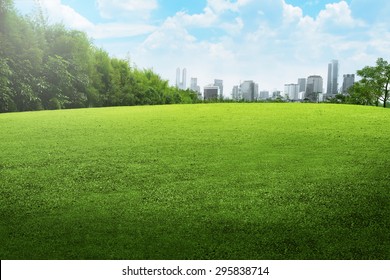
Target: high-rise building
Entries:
(178, 77)
(314, 88)
(348, 81)
(181, 83)
(292, 91)
(249, 91)
(333, 74)
(219, 83)
(264, 95)
(302, 84)
(195, 87)
(236, 93)
(276, 94)
(256, 91)
(184, 80)
(211, 92)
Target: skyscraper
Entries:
(219, 83)
(333, 74)
(195, 87)
(184, 79)
(249, 90)
(236, 93)
(291, 90)
(314, 88)
(181, 83)
(348, 81)
(264, 95)
(178, 77)
(302, 84)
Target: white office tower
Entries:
(302, 84)
(219, 83)
(333, 74)
(314, 88)
(264, 95)
(195, 87)
(249, 91)
(292, 91)
(184, 80)
(236, 93)
(181, 82)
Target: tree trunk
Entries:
(386, 94)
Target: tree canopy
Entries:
(374, 86)
(45, 66)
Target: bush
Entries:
(54, 104)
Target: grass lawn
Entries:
(208, 181)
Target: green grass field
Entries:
(215, 181)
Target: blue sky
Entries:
(273, 42)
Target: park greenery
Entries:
(45, 66)
(374, 86)
(199, 181)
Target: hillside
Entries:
(206, 181)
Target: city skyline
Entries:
(272, 42)
(335, 84)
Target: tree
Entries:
(6, 101)
(374, 85)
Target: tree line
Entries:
(47, 66)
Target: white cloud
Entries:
(169, 36)
(233, 28)
(339, 15)
(206, 19)
(60, 13)
(291, 13)
(114, 8)
(220, 6)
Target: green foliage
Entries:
(6, 102)
(50, 67)
(374, 87)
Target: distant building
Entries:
(181, 83)
(211, 92)
(236, 93)
(314, 88)
(195, 87)
(302, 84)
(178, 79)
(219, 83)
(256, 91)
(184, 80)
(276, 94)
(291, 91)
(348, 81)
(249, 91)
(333, 74)
(263, 95)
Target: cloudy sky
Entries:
(272, 42)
